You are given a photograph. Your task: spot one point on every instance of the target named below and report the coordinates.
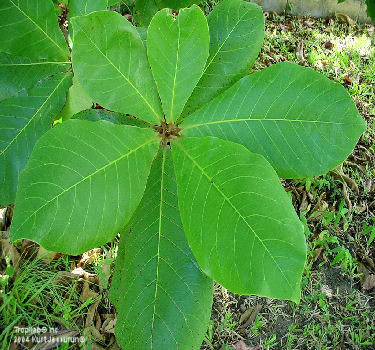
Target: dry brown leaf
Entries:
(3, 213)
(320, 207)
(361, 253)
(9, 249)
(87, 293)
(98, 322)
(254, 313)
(301, 51)
(245, 316)
(304, 202)
(93, 332)
(317, 253)
(309, 23)
(46, 255)
(89, 256)
(362, 270)
(339, 175)
(79, 271)
(114, 346)
(106, 271)
(368, 283)
(240, 345)
(109, 326)
(342, 17)
(65, 278)
(368, 185)
(29, 249)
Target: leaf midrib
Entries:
(158, 250)
(175, 71)
(32, 64)
(236, 210)
(35, 114)
(262, 120)
(88, 177)
(31, 20)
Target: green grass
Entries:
(40, 296)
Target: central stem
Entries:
(167, 132)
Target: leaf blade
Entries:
(34, 24)
(287, 113)
(124, 66)
(234, 47)
(184, 46)
(18, 73)
(157, 274)
(85, 164)
(84, 7)
(95, 115)
(240, 224)
(76, 101)
(23, 120)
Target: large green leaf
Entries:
(162, 298)
(177, 51)
(18, 73)
(82, 184)
(110, 63)
(23, 120)
(30, 29)
(303, 123)
(239, 222)
(236, 37)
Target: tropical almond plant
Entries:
(189, 170)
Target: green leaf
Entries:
(236, 37)
(144, 10)
(108, 53)
(143, 35)
(23, 120)
(371, 9)
(177, 4)
(113, 2)
(303, 123)
(239, 222)
(84, 7)
(19, 73)
(30, 29)
(95, 115)
(162, 298)
(76, 101)
(82, 184)
(177, 51)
